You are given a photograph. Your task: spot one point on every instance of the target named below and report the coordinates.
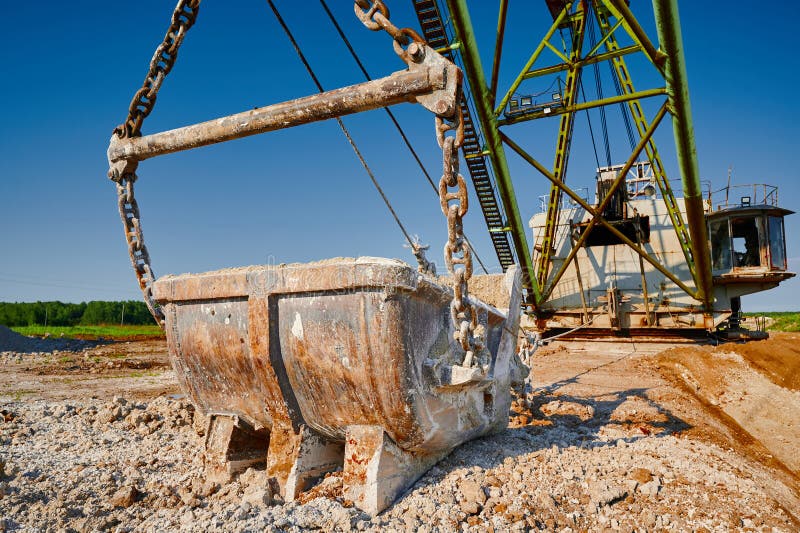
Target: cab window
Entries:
(744, 235)
(720, 237)
(777, 243)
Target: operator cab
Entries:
(747, 238)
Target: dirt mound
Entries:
(11, 341)
(777, 357)
(752, 388)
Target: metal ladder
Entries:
(433, 29)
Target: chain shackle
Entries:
(407, 43)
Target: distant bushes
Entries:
(67, 314)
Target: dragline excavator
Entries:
(635, 258)
(380, 369)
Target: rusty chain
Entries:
(458, 257)
(183, 17)
(375, 16)
(162, 62)
(456, 251)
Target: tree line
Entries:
(92, 313)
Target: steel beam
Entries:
(459, 15)
(671, 43)
(498, 47)
(403, 86)
(563, 143)
(590, 60)
(532, 59)
(621, 11)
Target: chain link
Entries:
(161, 64)
(374, 14)
(457, 253)
(141, 105)
(450, 135)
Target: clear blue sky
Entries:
(299, 195)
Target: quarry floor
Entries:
(619, 436)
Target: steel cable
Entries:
(344, 129)
(599, 88)
(391, 115)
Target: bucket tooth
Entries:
(377, 471)
(297, 458)
(231, 446)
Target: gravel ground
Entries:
(123, 465)
(585, 451)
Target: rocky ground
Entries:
(607, 438)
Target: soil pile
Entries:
(753, 388)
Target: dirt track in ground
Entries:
(608, 436)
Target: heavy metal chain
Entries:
(160, 65)
(456, 251)
(140, 258)
(450, 135)
(375, 16)
(124, 176)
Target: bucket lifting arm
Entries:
(433, 82)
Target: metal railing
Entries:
(754, 194)
(566, 203)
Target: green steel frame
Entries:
(669, 35)
(563, 144)
(652, 153)
(668, 60)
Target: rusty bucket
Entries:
(344, 363)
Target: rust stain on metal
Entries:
(350, 353)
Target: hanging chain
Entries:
(124, 175)
(456, 251)
(160, 65)
(457, 254)
(375, 16)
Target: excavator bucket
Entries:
(344, 364)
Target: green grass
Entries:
(782, 321)
(93, 332)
